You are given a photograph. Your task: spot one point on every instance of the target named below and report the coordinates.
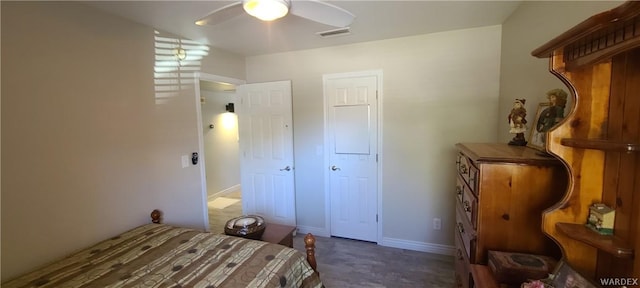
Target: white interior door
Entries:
(265, 129)
(352, 137)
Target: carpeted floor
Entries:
(345, 263)
(349, 263)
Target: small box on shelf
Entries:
(601, 219)
(511, 268)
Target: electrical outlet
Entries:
(437, 224)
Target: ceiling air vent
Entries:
(334, 32)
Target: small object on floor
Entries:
(246, 226)
(517, 268)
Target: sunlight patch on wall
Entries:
(176, 61)
(229, 121)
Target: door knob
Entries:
(334, 168)
(286, 169)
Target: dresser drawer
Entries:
(473, 179)
(466, 233)
(462, 164)
(460, 189)
(467, 171)
(470, 207)
(461, 264)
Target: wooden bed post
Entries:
(310, 246)
(155, 216)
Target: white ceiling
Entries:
(375, 20)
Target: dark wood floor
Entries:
(345, 263)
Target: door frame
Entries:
(327, 180)
(200, 76)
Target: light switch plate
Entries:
(185, 161)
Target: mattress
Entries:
(158, 255)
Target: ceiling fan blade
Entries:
(221, 14)
(322, 12)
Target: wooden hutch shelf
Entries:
(599, 144)
(610, 244)
(599, 60)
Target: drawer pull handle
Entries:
(460, 255)
(467, 207)
(460, 228)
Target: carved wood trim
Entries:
(597, 38)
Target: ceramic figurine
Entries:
(517, 123)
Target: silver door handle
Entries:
(334, 168)
(286, 169)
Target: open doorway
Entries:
(220, 152)
(264, 144)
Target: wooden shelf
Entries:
(610, 244)
(482, 276)
(599, 144)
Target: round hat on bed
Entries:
(247, 226)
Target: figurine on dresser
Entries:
(517, 123)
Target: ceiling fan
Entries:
(268, 10)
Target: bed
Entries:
(159, 255)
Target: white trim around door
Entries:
(198, 76)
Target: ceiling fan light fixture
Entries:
(266, 10)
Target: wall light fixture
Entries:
(230, 108)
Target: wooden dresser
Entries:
(279, 234)
(599, 60)
(501, 192)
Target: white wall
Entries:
(221, 147)
(439, 89)
(223, 63)
(523, 76)
(89, 151)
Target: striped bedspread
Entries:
(157, 255)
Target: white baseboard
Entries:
(227, 191)
(418, 246)
(390, 242)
